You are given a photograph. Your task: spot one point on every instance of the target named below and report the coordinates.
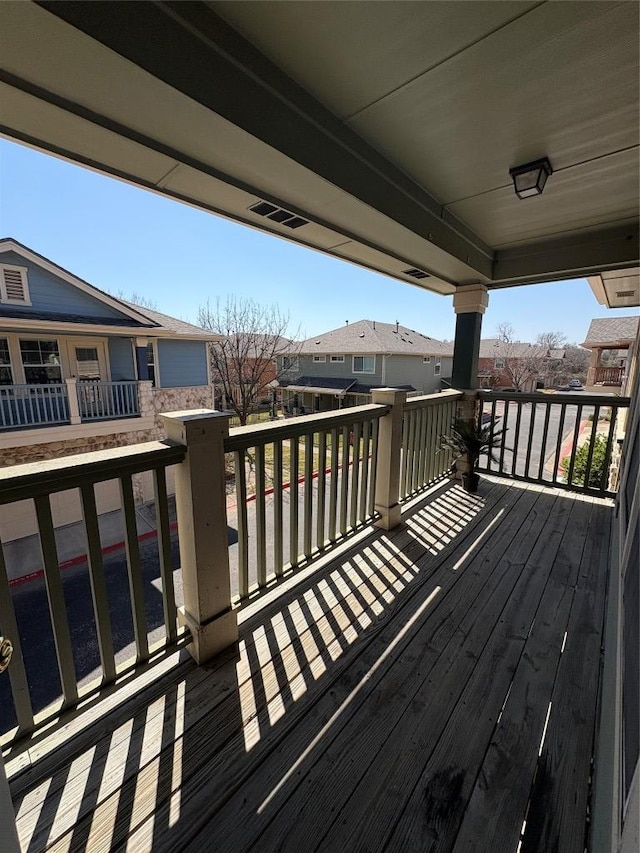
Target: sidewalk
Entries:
(24, 559)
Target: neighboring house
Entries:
(340, 368)
(610, 340)
(244, 368)
(516, 365)
(81, 370)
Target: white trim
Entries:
(10, 323)
(100, 345)
(426, 359)
(337, 359)
(437, 367)
(319, 359)
(353, 364)
(25, 285)
(66, 432)
(54, 269)
(156, 363)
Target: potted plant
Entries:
(468, 439)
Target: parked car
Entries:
(575, 385)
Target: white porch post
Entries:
(202, 526)
(72, 396)
(387, 492)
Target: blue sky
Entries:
(121, 238)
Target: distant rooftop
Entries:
(612, 330)
(371, 337)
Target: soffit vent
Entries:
(625, 292)
(278, 214)
(14, 285)
(415, 273)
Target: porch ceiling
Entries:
(390, 126)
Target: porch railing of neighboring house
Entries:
(33, 405)
(426, 419)
(38, 481)
(608, 375)
(564, 440)
(107, 400)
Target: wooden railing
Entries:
(426, 419)
(608, 375)
(557, 439)
(311, 480)
(33, 405)
(107, 400)
(39, 481)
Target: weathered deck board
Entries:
(504, 780)
(392, 700)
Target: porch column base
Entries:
(389, 516)
(211, 637)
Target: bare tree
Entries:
(552, 345)
(251, 355)
(137, 299)
(522, 362)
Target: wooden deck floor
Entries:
(433, 689)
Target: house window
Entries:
(364, 364)
(426, 359)
(41, 361)
(14, 287)
(151, 363)
(337, 359)
(6, 376)
(499, 363)
(319, 359)
(437, 367)
(289, 362)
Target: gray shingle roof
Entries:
(612, 329)
(171, 324)
(495, 348)
(371, 337)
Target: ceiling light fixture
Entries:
(529, 180)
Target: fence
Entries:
(319, 470)
(426, 419)
(561, 440)
(33, 405)
(106, 400)
(38, 481)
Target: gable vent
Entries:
(14, 286)
(278, 214)
(625, 292)
(414, 273)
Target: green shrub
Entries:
(597, 474)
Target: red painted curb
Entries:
(81, 558)
(116, 546)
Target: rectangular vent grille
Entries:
(625, 293)
(14, 286)
(416, 273)
(278, 214)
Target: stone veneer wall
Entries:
(153, 401)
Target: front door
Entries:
(88, 361)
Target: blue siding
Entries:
(50, 293)
(182, 363)
(121, 359)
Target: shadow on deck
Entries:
(434, 688)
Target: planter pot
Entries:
(470, 481)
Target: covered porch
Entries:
(431, 688)
(383, 134)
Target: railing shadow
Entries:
(152, 774)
